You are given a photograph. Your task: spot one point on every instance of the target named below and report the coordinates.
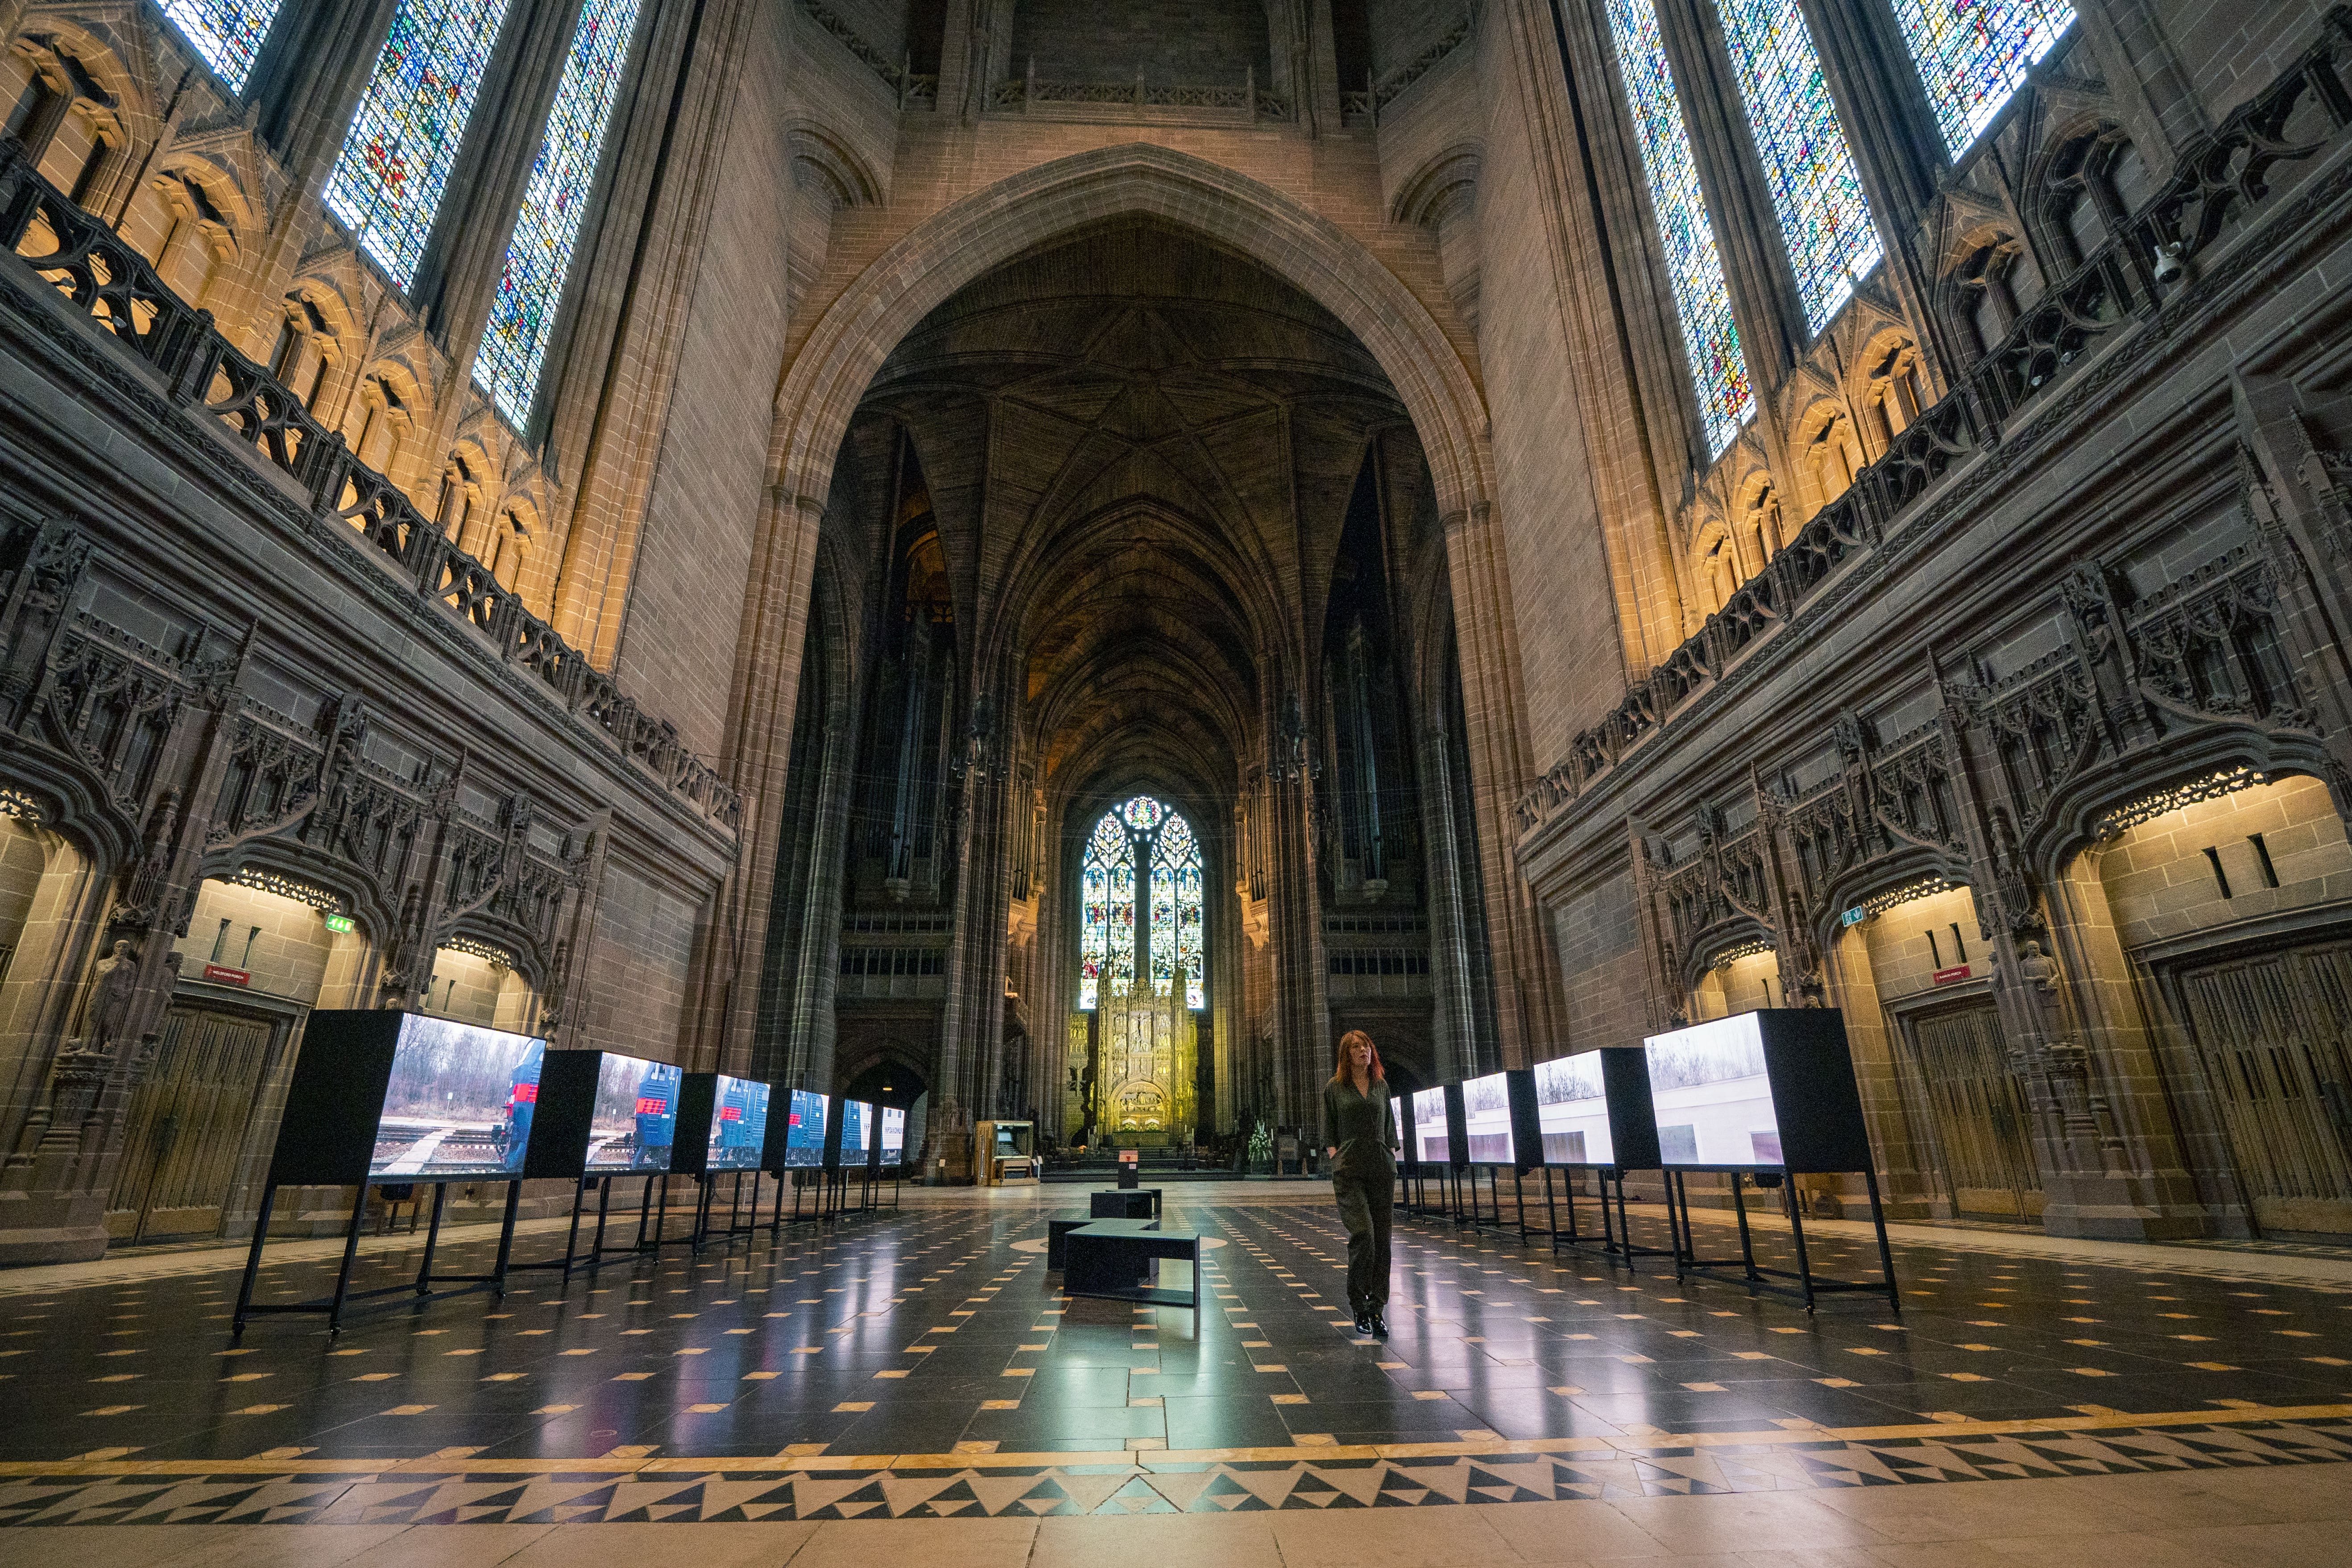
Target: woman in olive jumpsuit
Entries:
(1360, 1131)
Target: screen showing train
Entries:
(459, 1102)
(805, 1136)
(1572, 1108)
(1713, 1103)
(893, 1136)
(857, 1133)
(1430, 1144)
(1486, 1116)
(634, 1118)
(738, 1124)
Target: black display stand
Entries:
(1801, 1281)
(426, 1286)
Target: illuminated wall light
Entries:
(2148, 808)
(266, 881)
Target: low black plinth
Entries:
(1142, 1203)
(1110, 1259)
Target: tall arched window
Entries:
(554, 203)
(395, 161)
(1694, 265)
(227, 33)
(1112, 948)
(1973, 55)
(1816, 189)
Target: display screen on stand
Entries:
(1403, 1141)
(1430, 1142)
(458, 1104)
(738, 1124)
(634, 1121)
(804, 1139)
(1713, 1100)
(857, 1133)
(1486, 1117)
(893, 1136)
(1572, 1108)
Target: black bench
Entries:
(1135, 1203)
(1111, 1258)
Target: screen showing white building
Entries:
(1486, 1116)
(1572, 1109)
(1429, 1127)
(1714, 1103)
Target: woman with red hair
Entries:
(1360, 1132)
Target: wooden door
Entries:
(1979, 1116)
(189, 1122)
(2271, 1031)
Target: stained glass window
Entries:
(1176, 913)
(1694, 266)
(227, 33)
(1974, 53)
(1816, 189)
(395, 161)
(539, 256)
(1141, 833)
(1106, 913)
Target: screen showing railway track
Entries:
(458, 1103)
(738, 1124)
(1572, 1108)
(635, 1119)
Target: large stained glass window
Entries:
(387, 182)
(539, 256)
(1140, 834)
(1106, 913)
(1694, 265)
(1816, 189)
(227, 33)
(1974, 53)
(1176, 913)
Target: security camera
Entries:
(2170, 268)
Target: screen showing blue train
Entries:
(635, 1119)
(804, 1139)
(459, 1102)
(738, 1124)
(857, 1133)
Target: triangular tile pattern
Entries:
(761, 1492)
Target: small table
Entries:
(1109, 1259)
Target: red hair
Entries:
(1347, 1042)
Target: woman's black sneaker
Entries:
(1364, 1325)
(1374, 1323)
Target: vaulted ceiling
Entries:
(1140, 449)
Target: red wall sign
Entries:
(1946, 976)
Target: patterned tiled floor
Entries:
(922, 1364)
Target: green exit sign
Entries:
(339, 923)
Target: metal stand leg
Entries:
(1797, 1231)
(432, 1236)
(1885, 1252)
(253, 1259)
(506, 1239)
(343, 1274)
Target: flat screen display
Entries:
(893, 1136)
(1430, 1144)
(1396, 1114)
(1486, 1116)
(805, 1137)
(632, 1125)
(857, 1133)
(1572, 1109)
(459, 1102)
(738, 1124)
(1713, 1103)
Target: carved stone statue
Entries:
(2039, 982)
(109, 1001)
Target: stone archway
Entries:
(837, 361)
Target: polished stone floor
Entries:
(921, 1363)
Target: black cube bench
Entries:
(1135, 1203)
(1110, 1259)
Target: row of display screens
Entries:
(1710, 1102)
(461, 1101)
